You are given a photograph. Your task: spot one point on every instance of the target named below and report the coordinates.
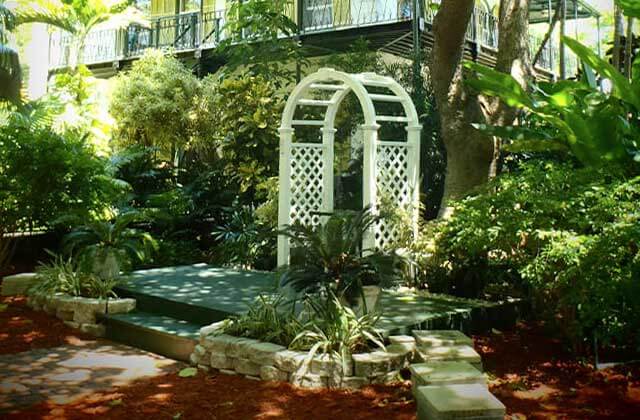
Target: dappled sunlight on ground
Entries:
(535, 377)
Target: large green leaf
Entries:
(630, 8)
(498, 84)
(622, 87)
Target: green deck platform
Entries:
(173, 302)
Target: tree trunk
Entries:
(617, 35)
(628, 48)
(547, 36)
(469, 152)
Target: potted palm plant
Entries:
(107, 246)
(328, 259)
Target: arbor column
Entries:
(284, 193)
(369, 184)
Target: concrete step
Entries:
(160, 334)
(445, 373)
(439, 338)
(450, 354)
(465, 401)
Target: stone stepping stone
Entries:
(451, 354)
(18, 284)
(439, 338)
(466, 401)
(445, 373)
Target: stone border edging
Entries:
(80, 312)
(271, 362)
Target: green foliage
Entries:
(329, 258)
(10, 71)
(270, 318)
(152, 104)
(335, 329)
(243, 240)
(598, 129)
(262, 39)
(64, 275)
(106, 246)
(245, 114)
(568, 238)
(45, 175)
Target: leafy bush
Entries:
(567, 237)
(243, 115)
(64, 275)
(45, 175)
(153, 102)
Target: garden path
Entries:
(71, 372)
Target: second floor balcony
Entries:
(202, 29)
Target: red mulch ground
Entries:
(536, 378)
(531, 374)
(22, 329)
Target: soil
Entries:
(537, 378)
(22, 329)
(530, 373)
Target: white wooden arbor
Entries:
(390, 166)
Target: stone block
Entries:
(272, 373)
(451, 354)
(220, 361)
(253, 378)
(119, 306)
(64, 315)
(195, 359)
(326, 364)
(308, 380)
(218, 343)
(445, 373)
(372, 364)
(199, 350)
(402, 339)
(263, 353)
(239, 347)
(204, 368)
(354, 382)
(246, 367)
(439, 338)
(18, 284)
(228, 372)
(388, 378)
(97, 330)
(208, 330)
(72, 324)
(289, 360)
(467, 401)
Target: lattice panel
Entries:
(306, 183)
(392, 180)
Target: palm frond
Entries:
(50, 12)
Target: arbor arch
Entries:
(390, 167)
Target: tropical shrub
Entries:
(45, 175)
(152, 104)
(568, 238)
(329, 258)
(107, 246)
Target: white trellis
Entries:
(390, 167)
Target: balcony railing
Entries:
(194, 30)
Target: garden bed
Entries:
(80, 312)
(272, 362)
